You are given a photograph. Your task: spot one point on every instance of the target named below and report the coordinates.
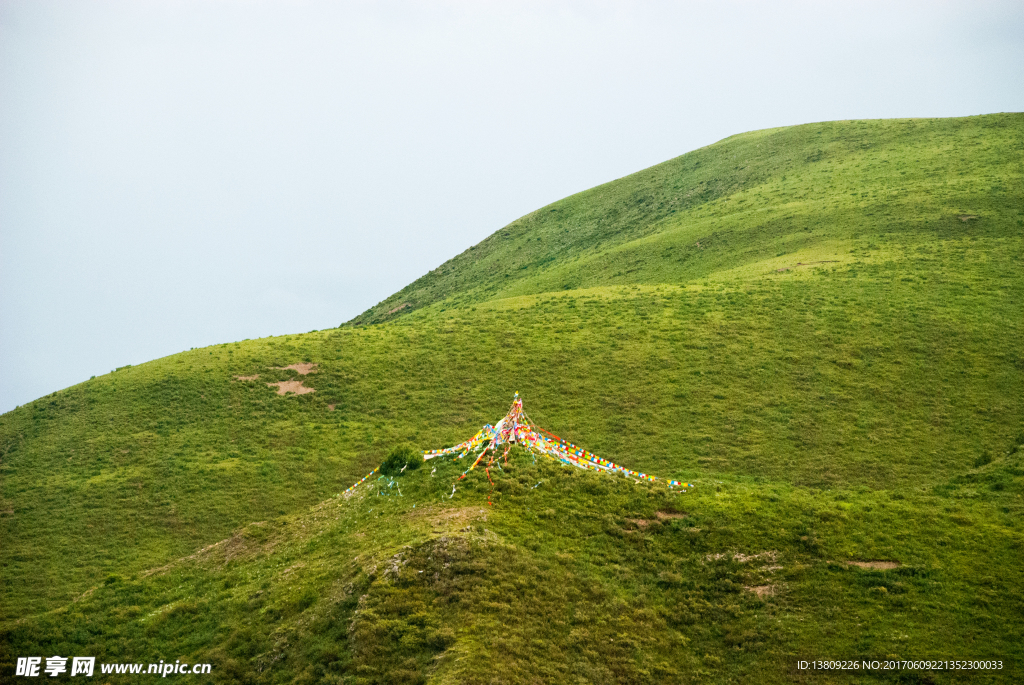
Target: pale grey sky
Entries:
(180, 173)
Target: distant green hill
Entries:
(819, 325)
(794, 190)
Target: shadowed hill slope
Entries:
(819, 325)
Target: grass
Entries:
(577, 579)
(819, 325)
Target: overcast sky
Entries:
(175, 174)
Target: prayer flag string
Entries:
(516, 428)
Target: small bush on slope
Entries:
(401, 457)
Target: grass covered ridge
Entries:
(802, 191)
(819, 325)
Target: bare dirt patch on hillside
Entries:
(875, 565)
(398, 308)
(285, 387)
(247, 378)
(301, 369)
(659, 516)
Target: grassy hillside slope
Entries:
(579, 579)
(740, 202)
(820, 325)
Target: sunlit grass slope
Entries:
(819, 325)
(803, 191)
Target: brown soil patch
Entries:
(330, 407)
(301, 369)
(660, 515)
(398, 308)
(247, 378)
(285, 387)
(967, 217)
(875, 565)
(760, 590)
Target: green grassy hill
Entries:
(819, 325)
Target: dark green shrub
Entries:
(400, 456)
